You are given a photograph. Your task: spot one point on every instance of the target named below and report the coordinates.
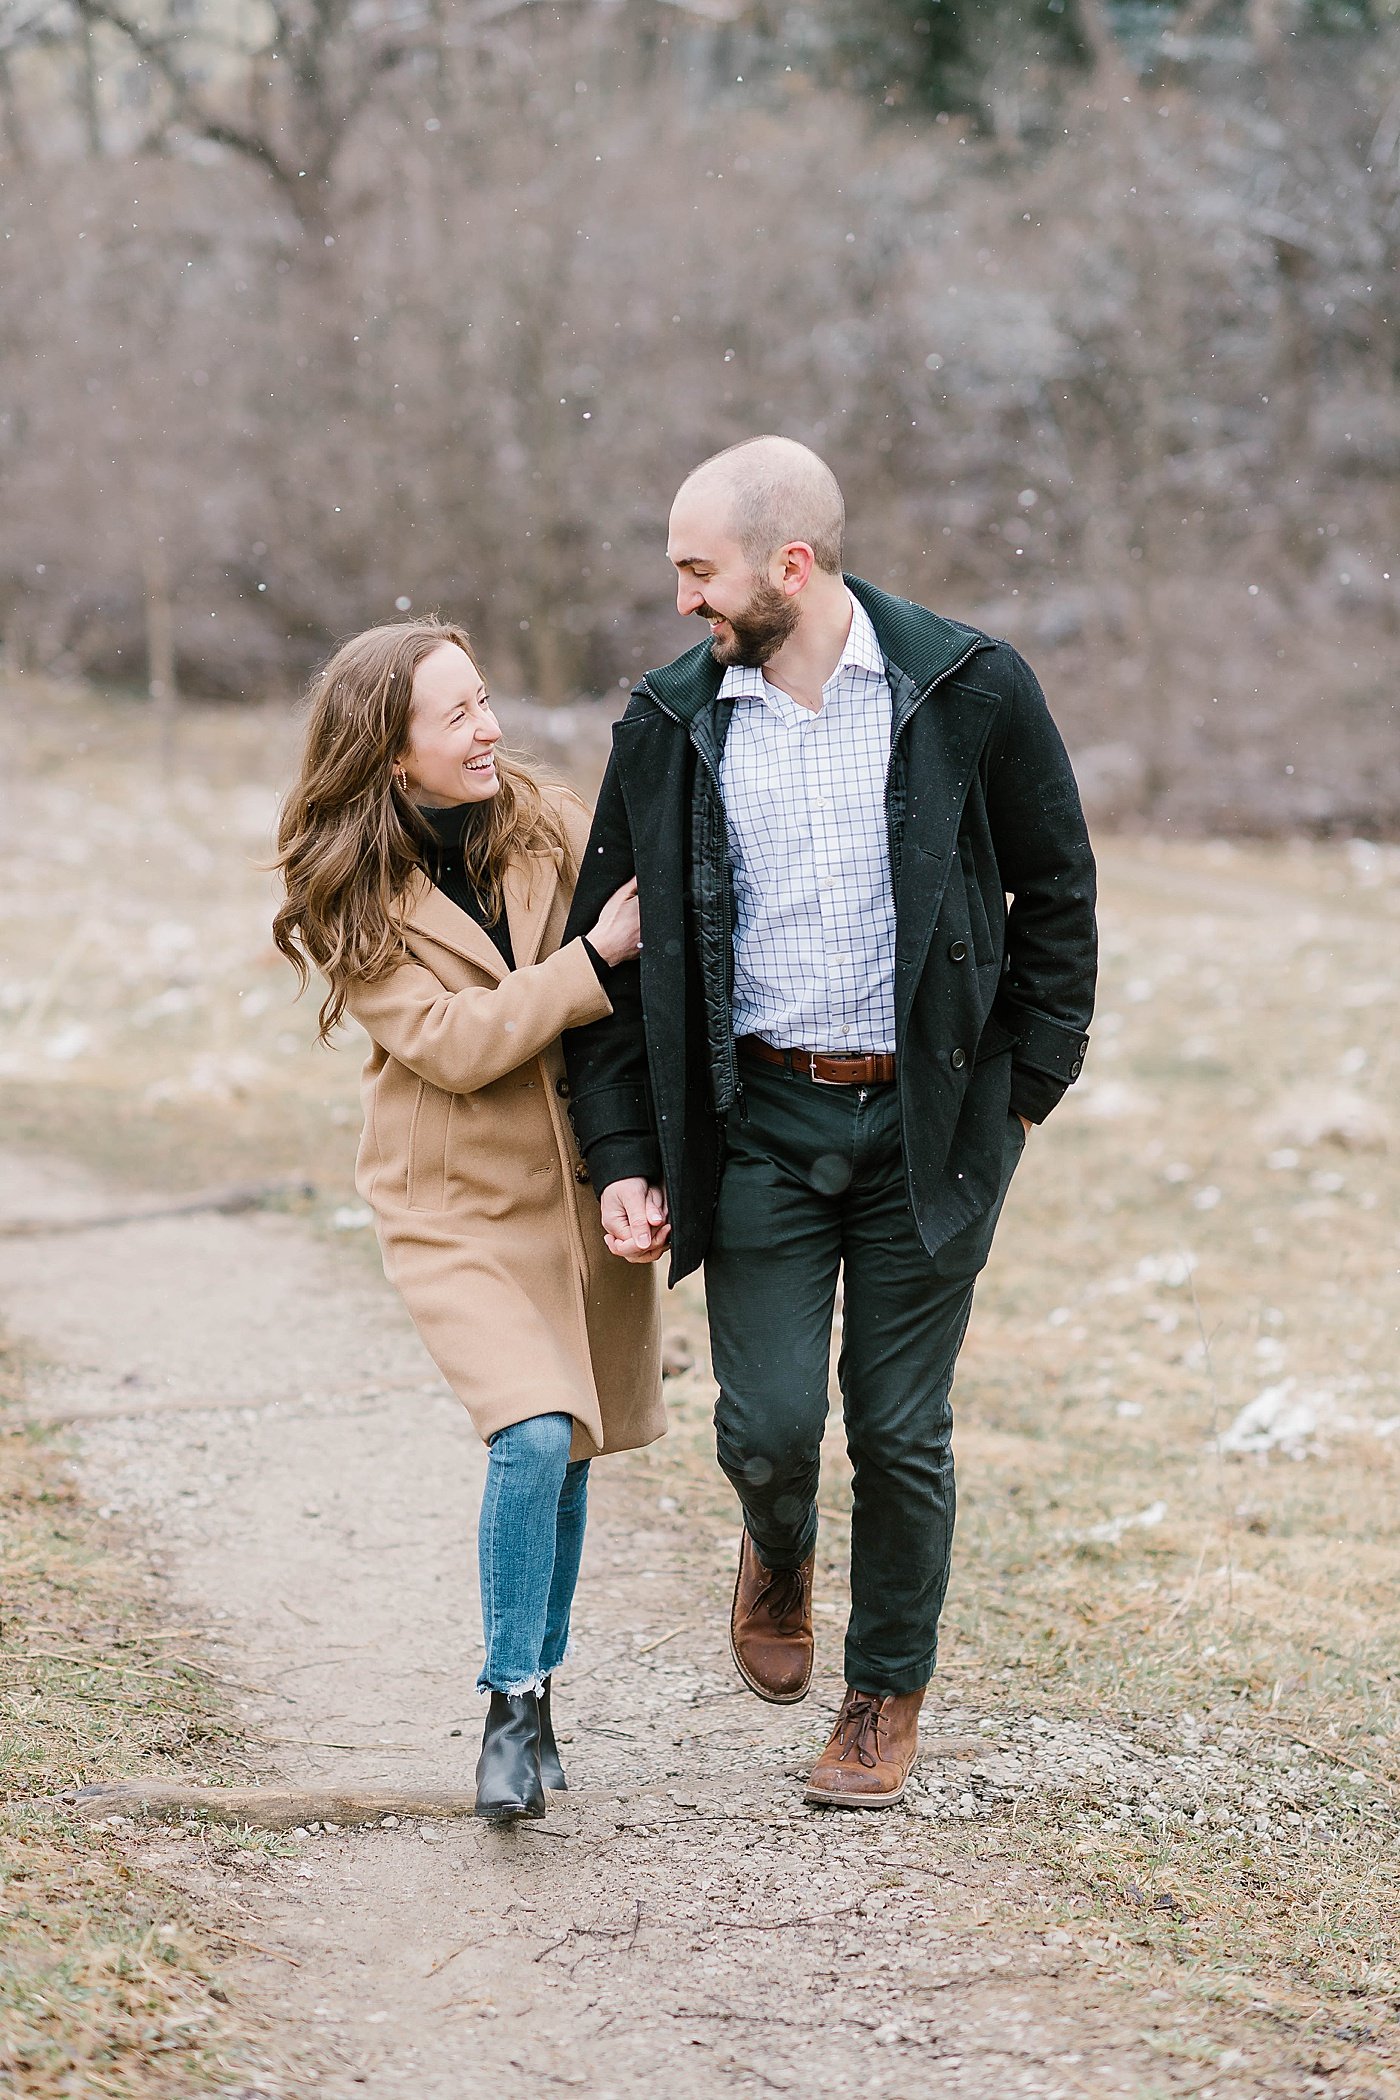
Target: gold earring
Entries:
(400, 777)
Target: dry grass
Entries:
(107, 1984)
(1181, 1239)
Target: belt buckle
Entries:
(815, 1076)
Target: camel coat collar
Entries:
(529, 889)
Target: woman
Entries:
(428, 877)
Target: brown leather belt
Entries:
(875, 1068)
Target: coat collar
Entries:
(530, 888)
(919, 643)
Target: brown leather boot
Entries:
(770, 1627)
(871, 1753)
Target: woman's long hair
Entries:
(350, 841)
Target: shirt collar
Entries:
(862, 652)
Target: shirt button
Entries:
(958, 1059)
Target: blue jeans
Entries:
(529, 1544)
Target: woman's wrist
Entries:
(600, 962)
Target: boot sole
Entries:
(509, 1815)
(818, 1797)
(761, 1691)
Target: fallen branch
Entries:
(228, 1202)
(284, 1808)
(274, 1807)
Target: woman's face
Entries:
(452, 733)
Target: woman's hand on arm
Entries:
(617, 935)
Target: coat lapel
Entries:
(531, 884)
(427, 911)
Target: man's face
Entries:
(749, 615)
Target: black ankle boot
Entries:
(508, 1780)
(551, 1770)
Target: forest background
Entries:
(316, 310)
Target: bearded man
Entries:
(867, 968)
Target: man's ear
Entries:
(794, 563)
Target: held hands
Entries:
(636, 1222)
(618, 933)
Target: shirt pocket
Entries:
(428, 1134)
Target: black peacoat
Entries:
(995, 945)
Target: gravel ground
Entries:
(305, 1490)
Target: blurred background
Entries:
(317, 309)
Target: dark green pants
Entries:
(814, 1186)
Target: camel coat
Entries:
(486, 1221)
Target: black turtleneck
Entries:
(448, 872)
(446, 867)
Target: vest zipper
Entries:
(735, 1082)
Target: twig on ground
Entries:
(1326, 1750)
(221, 1932)
(651, 1646)
(826, 1917)
(439, 1966)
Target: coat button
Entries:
(958, 1060)
(561, 1088)
(958, 952)
(1076, 1068)
(1084, 1047)
(581, 1172)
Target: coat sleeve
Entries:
(460, 1041)
(1042, 844)
(609, 1093)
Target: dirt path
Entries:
(307, 1487)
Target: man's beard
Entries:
(759, 631)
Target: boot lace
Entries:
(783, 1598)
(858, 1729)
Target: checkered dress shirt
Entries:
(804, 802)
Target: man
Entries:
(832, 1046)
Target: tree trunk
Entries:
(160, 645)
